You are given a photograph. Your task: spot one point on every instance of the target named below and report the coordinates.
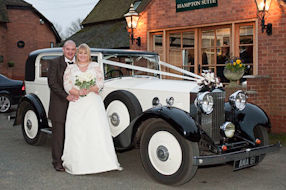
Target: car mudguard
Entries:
(248, 118)
(4, 92)
(181, 120)
(37, 105)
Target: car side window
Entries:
(94, 58)
(141, 61)
(44, 65)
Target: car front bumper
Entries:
(238, 155)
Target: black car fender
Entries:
(248, 118)
(4, 92)
(179, 119)
(37, 105)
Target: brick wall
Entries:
(162, 14)
(259, 92)
(271, 91)
(3, 46)
(272, 62)
(24, 26)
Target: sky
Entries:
(63, 12)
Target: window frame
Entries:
(237, 42)
(233, 47)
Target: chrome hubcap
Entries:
(29, 124)
(114, 119)
(4, 103)
(162, 153)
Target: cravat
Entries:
(70, 63)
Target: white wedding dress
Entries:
(88, 143)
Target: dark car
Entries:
(10, 92)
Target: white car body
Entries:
(143, 87)
(178, 124)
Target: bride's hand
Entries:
(94, 89)
(83, 92)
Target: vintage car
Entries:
(178, 124)
(10, 92)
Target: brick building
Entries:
(22, 30)
(233, 25)
(192, 34)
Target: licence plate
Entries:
(245, 163)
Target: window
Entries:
(175, 49)
(145, 61)
(44, 65)
(136, 4)
(207, 48)
(215, 50)
(246, 47)
(157, 44)
(188, 51)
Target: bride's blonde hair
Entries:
(83, 48)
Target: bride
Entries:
(88, 143)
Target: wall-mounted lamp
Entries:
(132, 18)
(263, 7)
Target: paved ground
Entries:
(28, 167)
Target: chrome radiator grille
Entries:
(211, 123)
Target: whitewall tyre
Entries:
(166, 156)
(31, 127)
(121, 108)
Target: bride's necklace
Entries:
(82, 65)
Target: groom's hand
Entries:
(72, 98)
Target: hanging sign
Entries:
(186, 5)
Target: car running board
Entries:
(47, 130)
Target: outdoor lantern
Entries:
(132, 18)
(263, 7)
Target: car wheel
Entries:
(121, 108)
(261, 133)
(166, 156)
(31, 128)
(5, 103)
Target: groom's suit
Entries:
(58, 106)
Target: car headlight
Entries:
(156, 101)
(205, 102)
(170, 101)
(238, 100)
(228, 129)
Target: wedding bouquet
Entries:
(85, 80)
(210, 80)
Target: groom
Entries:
(59, 101)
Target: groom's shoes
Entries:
(59, 168)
